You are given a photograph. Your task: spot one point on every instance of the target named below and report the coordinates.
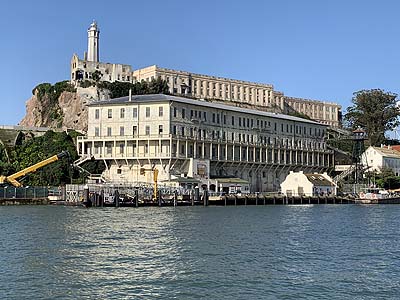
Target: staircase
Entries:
(81, 160)
(344, 174)
(97, 178)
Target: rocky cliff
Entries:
(68, 111)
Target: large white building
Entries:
(231, 91)
(377, 158)
(184, 137)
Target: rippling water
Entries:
(254, 252)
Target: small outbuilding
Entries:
(300, 184)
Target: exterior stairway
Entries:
(344, 174)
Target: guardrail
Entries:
(10, 192)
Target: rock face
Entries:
(70, 111)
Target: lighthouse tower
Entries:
(93, 42)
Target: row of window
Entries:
(243, 122)
(135, 131)
(123, 110)
(216, 135)
(218, 118)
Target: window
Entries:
(121, 148)
(122, 113)
(233, 121)
(147, 130)
(160, 129)
(160, 111)
(147, 112)
(96, 131)
(213, 117)
(134, 113)
(119, 171)
(218, 118)
(174, 129)
(122, 130)
(109, 113)
(97, 114)
(146, 148)
(205, 116)
(134, 131)
(175, 112)
(182, 131)
(109, 131)
(240, 121)
(183, 113)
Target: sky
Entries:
(321, 50)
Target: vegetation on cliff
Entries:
(120, 89)
(49, 94)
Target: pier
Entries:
(128, 196)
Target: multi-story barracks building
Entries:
(200, 140)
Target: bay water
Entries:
(252, 252)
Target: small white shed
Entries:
(300, 184)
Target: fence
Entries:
(75, 193)
(10, 192)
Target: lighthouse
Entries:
(93, 42)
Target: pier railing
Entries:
(10, 192)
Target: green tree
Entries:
(40, 148)
(158, 86)
(375, 111)
(121, 89)
(96, 76)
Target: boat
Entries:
(377, 196)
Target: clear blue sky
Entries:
(312, 49)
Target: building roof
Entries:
(395, 147)
(161, 97)
(387, 152)
(319, 180)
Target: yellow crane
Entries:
(13, 178)
(155, 178)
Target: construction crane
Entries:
(13, 178)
